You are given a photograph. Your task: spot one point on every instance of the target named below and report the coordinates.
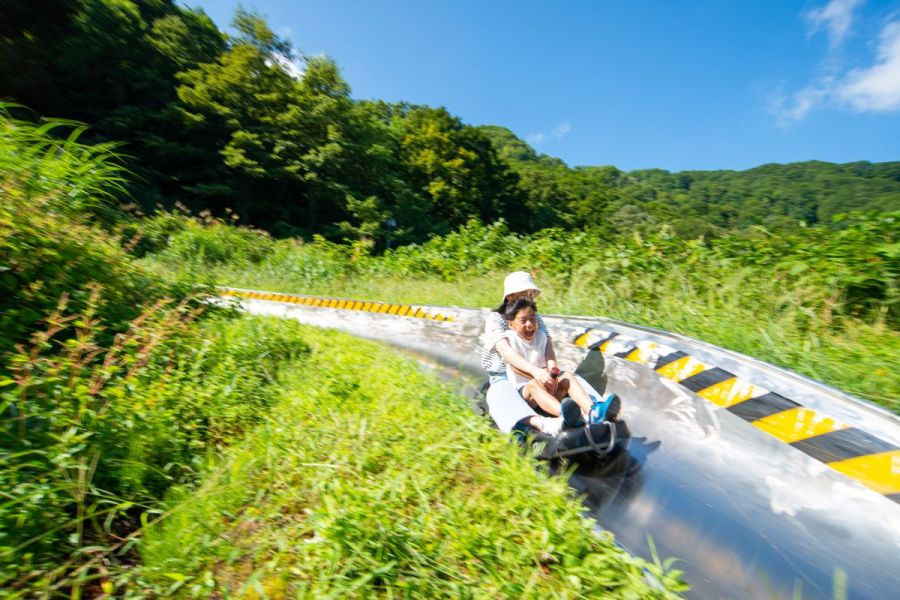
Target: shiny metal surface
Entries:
(747, 515)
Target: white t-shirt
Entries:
(534, 352)
(495, 328)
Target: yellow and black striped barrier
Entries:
(400, 310)
(857, 454)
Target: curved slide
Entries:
(763, 483)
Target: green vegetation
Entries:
(821, 302)
(153, 445)
(218, 122)
(387, 484)
(781, 198)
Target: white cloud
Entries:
(555, 134)
(790, 108)
(876, 88)
(292, 67)
(835, 18)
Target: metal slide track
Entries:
(762, 482)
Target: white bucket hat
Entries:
(519, 281)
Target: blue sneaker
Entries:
(600, 408)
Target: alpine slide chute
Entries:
(765, 484)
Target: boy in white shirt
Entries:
(531, 343)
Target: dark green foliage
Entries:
(697, 203)
(51, 189)
(110, 393)
(774, 196)
(218, 122)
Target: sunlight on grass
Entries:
(373, 477)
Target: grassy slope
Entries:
(371, 478)
(746, 313)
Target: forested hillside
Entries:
(694, 203)
(246, 123)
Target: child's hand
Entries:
(545, 379)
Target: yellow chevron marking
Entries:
(377, 307)
(582, 339)
(633, 354)
(881, 471)
(797, 424)
(681, 369)
(730, 392)
(643, 354)
(605, 345)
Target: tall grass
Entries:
(93, 436)
(110, 390)
(370, 479)
(46, 160)
(827, 312)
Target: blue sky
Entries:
(721, 84)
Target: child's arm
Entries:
(517, 362)
(550, 355)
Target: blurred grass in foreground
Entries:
(370, 478)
